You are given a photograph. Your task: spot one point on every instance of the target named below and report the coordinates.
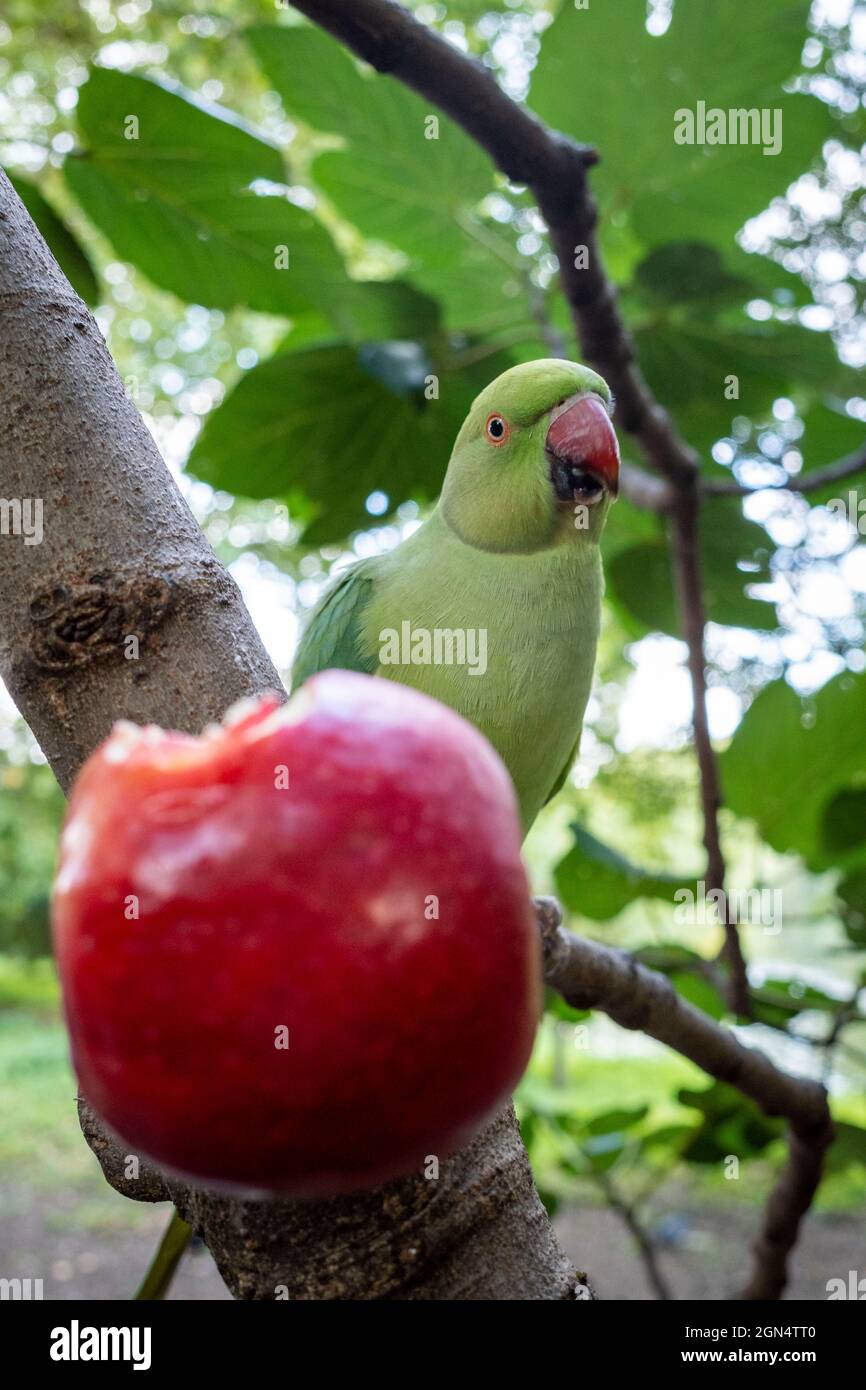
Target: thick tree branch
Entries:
(837, 472)
(122, 610)
(591, 976)
(554, 167)
(122, 558)
(476, 1232)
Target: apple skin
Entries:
(200, 906)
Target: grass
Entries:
(41, 1147)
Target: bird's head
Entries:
(536, 462)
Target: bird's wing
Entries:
(563, 776)
(331, 636)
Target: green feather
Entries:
(331, 637)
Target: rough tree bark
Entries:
(123, 557)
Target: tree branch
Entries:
(628, 1214)
(646, 491)
(591, 976)
(836, 472)
(685, 543)
(554, 167)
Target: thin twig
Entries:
(627, 1213)
(836, 472)
(685, 544)
(550, 335)
(591, 976)
(646, 491)
(845, 1014)
(164, 1265)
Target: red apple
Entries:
(298, 953)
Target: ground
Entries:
(60, 1222)
(93, 1244)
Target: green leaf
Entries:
(843, 820)
(318, 425)
(404, 367)
(543, 1098)
(690, 362)
(396, 184)
(698, 990)
(62, 243)
(597, 882)
(177, 201)
(777, 1001)
(670, 958)
(830, 434)
(734, 552)
(852, 891)
(555, 1005)
(615, 1121)
(377, 309)
(671, 1138)
(696, 276)
(730, 1124)
(715, 51)
(789, 757)
(849, 1147)
(604, 1151)
(685, 272)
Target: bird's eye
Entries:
(497, 429)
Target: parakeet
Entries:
(493, 605)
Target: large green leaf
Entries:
(734, 553)
(689, 273)
(63, 245)
(777, 1001)
(730, 1124)
(696, 275)
(848, 1148)
(788, 758)
(417, 194)
(707, 359)
(177, 201)
(719, 52)
(843, 820)
(597, 882)
(830, 434)
(690, 361)
(328, 425)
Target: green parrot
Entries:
(493, 605)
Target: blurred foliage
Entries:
(305, 274)
(31, 805)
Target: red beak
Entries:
(582, 440)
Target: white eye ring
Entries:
(497, 429)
